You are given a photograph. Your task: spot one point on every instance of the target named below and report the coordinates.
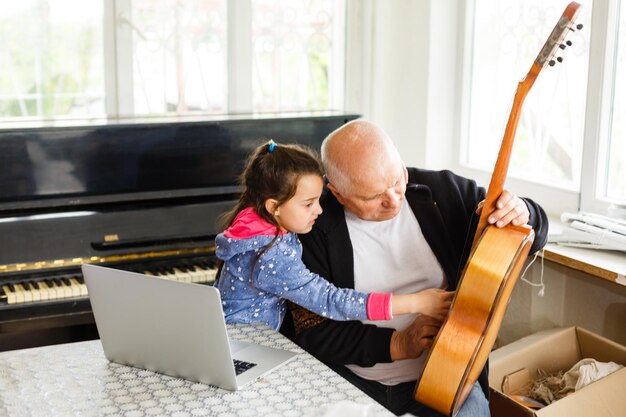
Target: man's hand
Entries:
(412, 341)
(509, 209)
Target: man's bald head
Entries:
(357, 152)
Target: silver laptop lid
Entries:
(170, 327)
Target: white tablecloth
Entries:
(77, 380)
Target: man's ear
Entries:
(338, 196)
(272, 207)
(406, 174)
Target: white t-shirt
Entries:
(393, 256)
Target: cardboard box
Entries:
(513, 367)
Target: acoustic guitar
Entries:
(462, 346)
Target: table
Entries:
(76, 379)
(608, 265)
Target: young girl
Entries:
(261, 251)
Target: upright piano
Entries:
(143, 195)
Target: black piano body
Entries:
(143, 195)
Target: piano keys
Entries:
(73, 285)
(141, 195)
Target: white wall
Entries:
(401, 73)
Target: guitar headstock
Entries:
(564, 26)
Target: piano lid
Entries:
(61, 165)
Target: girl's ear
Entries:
(272, 207)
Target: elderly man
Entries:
(389, 228)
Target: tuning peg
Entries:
(562, 46)
(568, 43)
(551, 63)
(559, 59)
(578, 26)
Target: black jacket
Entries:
(444, 205)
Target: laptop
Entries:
(174, 328)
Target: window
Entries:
(179, 56)
(570, 138)
(76, 59)
(297, 54)
(51, 61)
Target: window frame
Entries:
(602, 67)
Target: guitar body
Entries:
(462, 346)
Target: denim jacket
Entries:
(279, 275)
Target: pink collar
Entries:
(248, 224)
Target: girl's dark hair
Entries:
(272, 171)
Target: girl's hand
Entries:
(433, 302)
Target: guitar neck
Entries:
(498, 178)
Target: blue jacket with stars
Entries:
(280, 275)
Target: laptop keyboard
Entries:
(242, 366)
